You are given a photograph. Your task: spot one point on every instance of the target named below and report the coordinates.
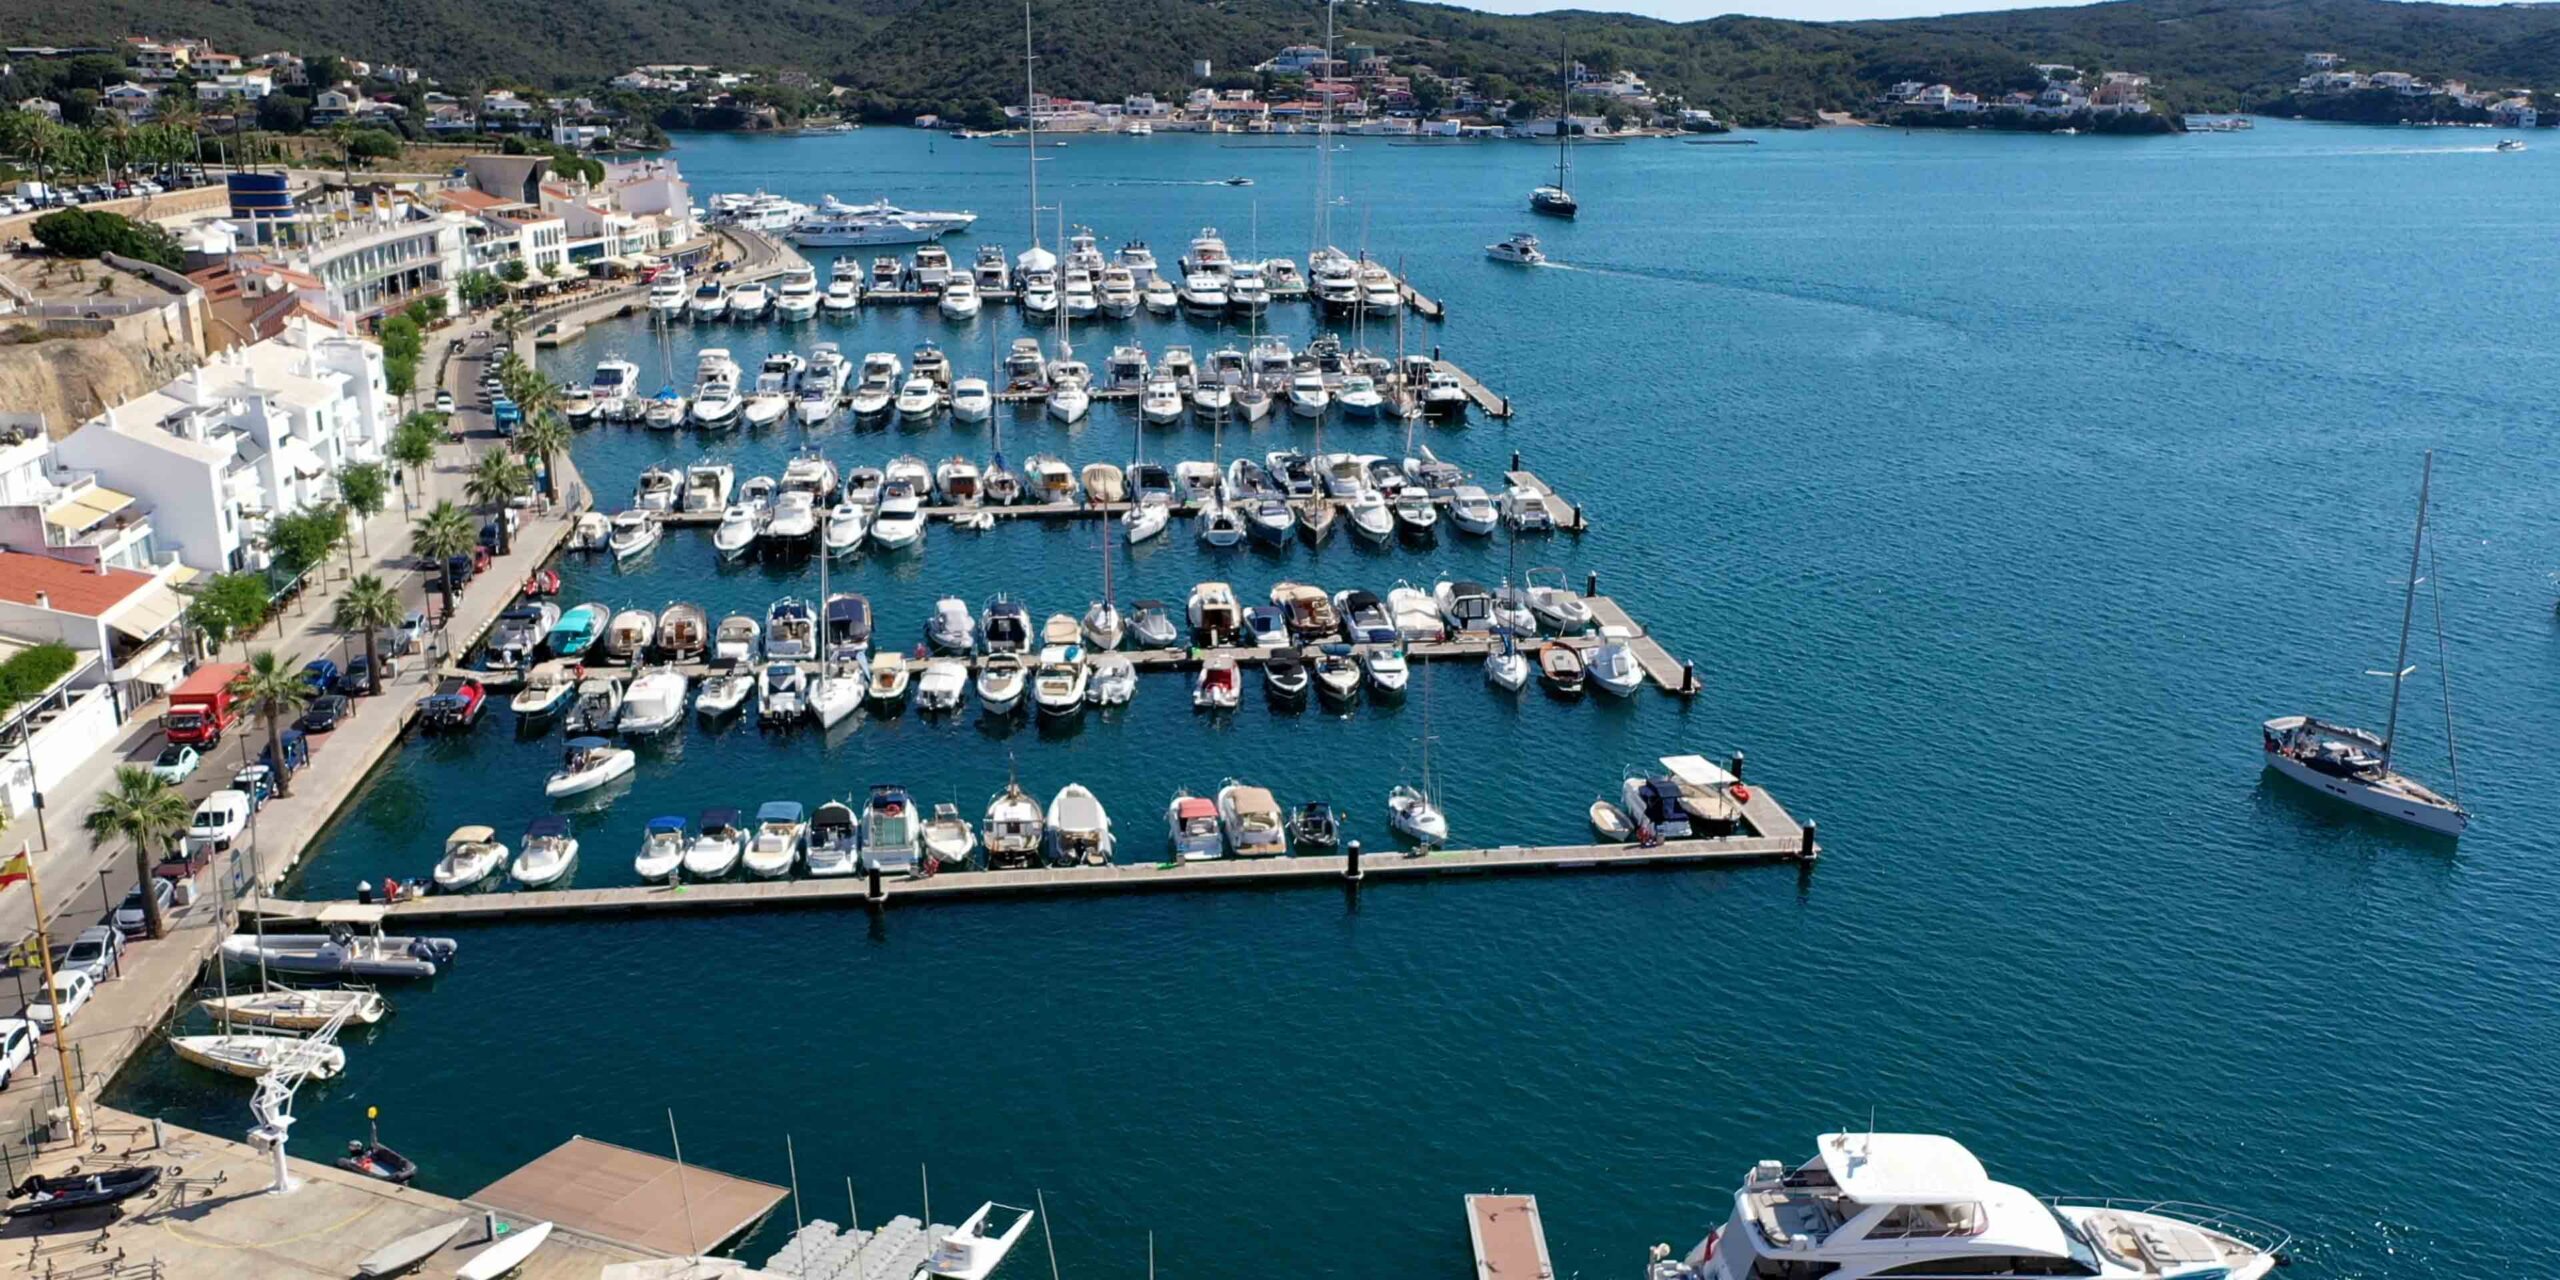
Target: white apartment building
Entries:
(49, 509)
(381, 257)
(245, 86)
(257, 432)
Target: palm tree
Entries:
(413, 447)
(370, 605)
(498, 480)
(366, 492)
(150, 814)
(445, 533)
(279, 692)
(545, 435)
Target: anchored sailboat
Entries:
(2354, 764)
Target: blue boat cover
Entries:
(668, 823)
(780, 811)
(719, 817)
(547, 826)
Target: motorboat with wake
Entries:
(586, 764)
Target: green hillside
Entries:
(923, 54)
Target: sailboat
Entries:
(1103, 626)
(834, 695)
(2354, 764)
(1556, 200)
(1410, 809)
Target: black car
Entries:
(324, 713)
(359, 679)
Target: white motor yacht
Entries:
(1370, 516)
(1871, 1205)
(900, 521)
(956, 482)
(614, 389)
(846, 525)
(740, 524)
(1378, 290)
(1001, 680)
(1520, 250)
(971, 400)
(1161, 402)
(1204, 292)
(667, 292)
(944, 682)
(1158, 295)
(1308, 397)
(1359, 397)
(1079, 829)
(1388, 669)
(716, 845)
(1212, 401)
(635, 533)
(1613, 666)
(1192, 828)
(919, 401)
(471, 855)
(1119, 293)
(716, 404)
(774, 849)
(843, 296)
(1127, 369)
(749, 301)
(710, 301)
(960, 299)
(1472, 510)
(1527, 511)
(797, 296)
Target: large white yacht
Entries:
(1914, 1204)
(615, 389)
(761, 210)
(710, 301)
(835, 223)
(749, 301)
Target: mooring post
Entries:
(1590, 583)
(1515, 459)
(1578, 524)
(1736, 767)
(1689, 680)
(1351, 868)
(879, 893)
(1805, 852)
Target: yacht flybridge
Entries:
(1913, 1204)
(2354, 765)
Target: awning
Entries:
(164, 673)
(300, 458)
(144, 659)
(92, 506)
(180, 575)
(148, 612)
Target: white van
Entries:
(218, 822)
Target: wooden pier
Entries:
(1494, 406)
(631, 1198)
(1509, 1239)
(1775, 838)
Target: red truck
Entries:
(200, 709)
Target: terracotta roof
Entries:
(68, 588)
(473, 201)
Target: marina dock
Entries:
(1774, 837)
(1509, 1240)
(1569, 516)
(631, 1198)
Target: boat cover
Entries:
(779, 811)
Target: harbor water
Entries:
(1999, 486)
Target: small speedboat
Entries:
(1191, 827)
(376, 1161)
(1561, 666)
(782, 693)
(40, 1197)
(971, 401)
(547, 688)
(1253, 822)
(889, 677)
(662, 849)
(951, 628)
(1337, 674)
(1554, 603)
(722, 693)
(1001, 678)
(1111, 680)
(948, 838)
(1058, 685)
(471, 855)
(1387, 668)
(1217, 688)
(589, 763)
(740, 525)
(834, 843)
(635, 533)
(1079, 829)
(944, 683)
(1613, 666)
(716, 845)
(1284, 676)
(774, 849)
(548, 851)
(891, 839)
(1151, 626)
(846, 525)
(653, 703)
(735, 640)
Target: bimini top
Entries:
(588, 744)
(668, 823)
(1904, 1168)
(779, 811)
(719, 818)
(1698, 771)
(472, 835)
(546, 826)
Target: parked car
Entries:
(324, 713)
(219, 820)
(360, 674)
(176, 762)
(460, 568)
(94, 952)
(128, 918)
(257, 782)
(406, 637)
(58, 1006)
(297, 751)
(17, 1045)
(322, 675)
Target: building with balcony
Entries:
(254, 433)
(49, 509)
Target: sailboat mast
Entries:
(2408, 610)
(1324, 149)
(1564, 121)
(1030, 125)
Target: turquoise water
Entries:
(1998, 485)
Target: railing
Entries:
(2257, 1233)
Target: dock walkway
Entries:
(632, 1198)
(1510, 1241)
(1775, 837)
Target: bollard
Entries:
(1688, 677)
(1515, 459)
(159, 1133)
(1806, 852)
(1591, 583)
(879, 892)
(488, 1227)
(1578, 524)
(1435, 353)
(1351, 869)
(1736, 767)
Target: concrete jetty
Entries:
(1773, 836)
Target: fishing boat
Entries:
(774, 849)
(1192, 828)
(1079, 829)
(545, 854)
(1613, 666)
(1870, 1205)
(890, 837)
(1015, 831)
(1560, 665)
(662, 848)
(298, 1009)
(735, 640)
(833, 846)
(889, 677)
(586, 764)
(1252, 821)
(2353, 764)
(782, 693)
(471, 855)
(547, 688)
(252, 1054)
(716, 845)
(1315, 827)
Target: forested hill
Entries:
(2202, 54)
